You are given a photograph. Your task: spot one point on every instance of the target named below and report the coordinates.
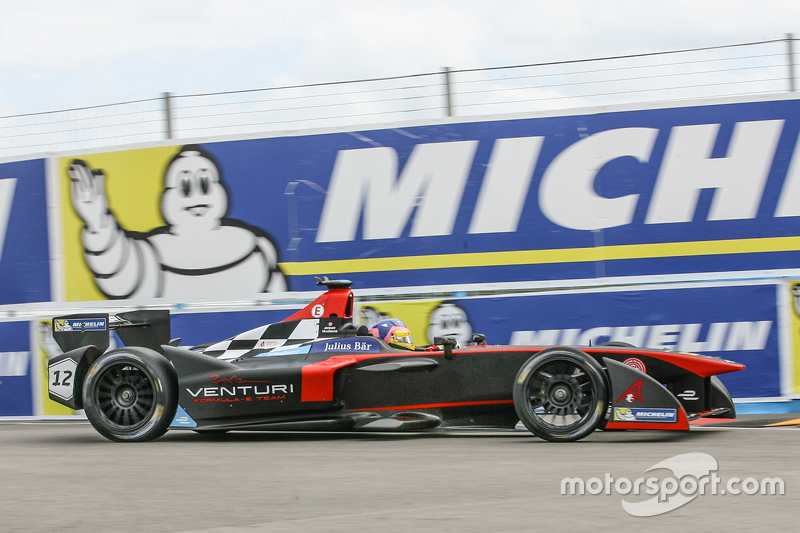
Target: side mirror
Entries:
(478, 339)
(449, 343)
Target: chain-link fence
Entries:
(765, 67)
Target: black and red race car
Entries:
(317, 371)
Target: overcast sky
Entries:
(57, 54)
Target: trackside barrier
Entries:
(740, 321)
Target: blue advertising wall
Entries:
(685, 190)
(662, 191)
(690, 191)
(16, 389)
(744, 321)
(24, 255)
(735, 322)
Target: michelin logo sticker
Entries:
(640, 414)
(83, 324)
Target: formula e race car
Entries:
(317, 371)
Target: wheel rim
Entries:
(561, 396)
(126, 395)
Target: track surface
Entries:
(61, 477)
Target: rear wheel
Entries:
(560, 394)
(130, 394)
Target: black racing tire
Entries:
(561, 394)
(130, 394)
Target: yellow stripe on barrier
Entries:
(541, 257)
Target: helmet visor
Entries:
(403, 338)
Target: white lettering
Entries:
(789, 202)
(716, 336)
(14, 363)
(505, 185)
(432, 182)
(569, 336)
(632, 335)
(748, 335)
(545, 337)
(591, 337)
(663, 336)
(739, 178)
(576, 485)
(721, 336)
(7, 187)
(567, 193)
(263, 390)
(688, 339)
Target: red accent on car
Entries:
(635, 362)
(337, 302)
(318, 378)
(711, 421)
(635, 392)
(703, 366)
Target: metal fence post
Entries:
(790, 50)
(447, 94)
(168, 115)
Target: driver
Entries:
(394, 332)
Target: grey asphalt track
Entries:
(64, 477)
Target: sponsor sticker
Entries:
(61, 379)
(330, 327)
(182, 419)
(635, 362)
(365, 345)
(266, 344)
(633, 393)
(688, 394)
(285, 350)
(81, 324)
(641, 414)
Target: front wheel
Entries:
(130, 394)
(561, 394)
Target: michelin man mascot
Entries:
(198, 255)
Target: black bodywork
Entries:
(316, 371)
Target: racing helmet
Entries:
(394, 332)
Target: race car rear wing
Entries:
(149, 328)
